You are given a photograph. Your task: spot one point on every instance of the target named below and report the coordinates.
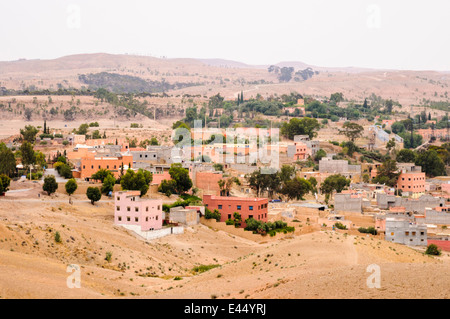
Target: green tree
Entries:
(406, 156)
(29, 134)
(180, 175)
(28, 155)
(101, 174)
(336, 183)
(71, 186)
(108, 184)
(296, 188)
(7, 161)
(387, 173)
(50, 185)
(5, 181)
(83, 129)
(93, 194)
(337, 97)
(352, 130)
(305, 126)
(431, 163)
(319, 155)
(136, 181)
(287, 172)
(65, 171)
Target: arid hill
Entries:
(211, 76)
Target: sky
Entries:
(405, 35)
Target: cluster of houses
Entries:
(408, 219)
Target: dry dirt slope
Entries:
(317, 265)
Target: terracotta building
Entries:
(90, 165)
(255, 208)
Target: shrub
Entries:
(58, 237)
(369, 230)
(203, 268)
(433, 250)
(340, 226)
(108, 257)
(212, 215)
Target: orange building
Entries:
(90, 165)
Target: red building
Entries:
(255, 208)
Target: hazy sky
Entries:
(380, 34)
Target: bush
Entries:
(58, 237)
(212, 215)
(5, 181)
(433, 250)
(108, 257)
(369, 230)
(203, 268)
(340, 226)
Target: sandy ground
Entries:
(322, 264)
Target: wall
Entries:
(154, 234)
(385, 201)
(345, 202)
(208, 182)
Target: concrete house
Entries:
(403, 231)
(135, 213)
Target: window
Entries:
(136, 219)
(128, 209)
(250, 216)
(118, 208)
(229, 216)
(156, 217)
(220, 206)
(238, 207)
(118, 197)
(250, 207)
(146, 209)
(414, 233)
(146, 219)
(159, 207)
(119, 218)
(136, 209)
(84, 166)
(128, 218)
(406, 233)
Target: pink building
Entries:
(131, 210)
(446, 188)
(301, 151)
(411, 178)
